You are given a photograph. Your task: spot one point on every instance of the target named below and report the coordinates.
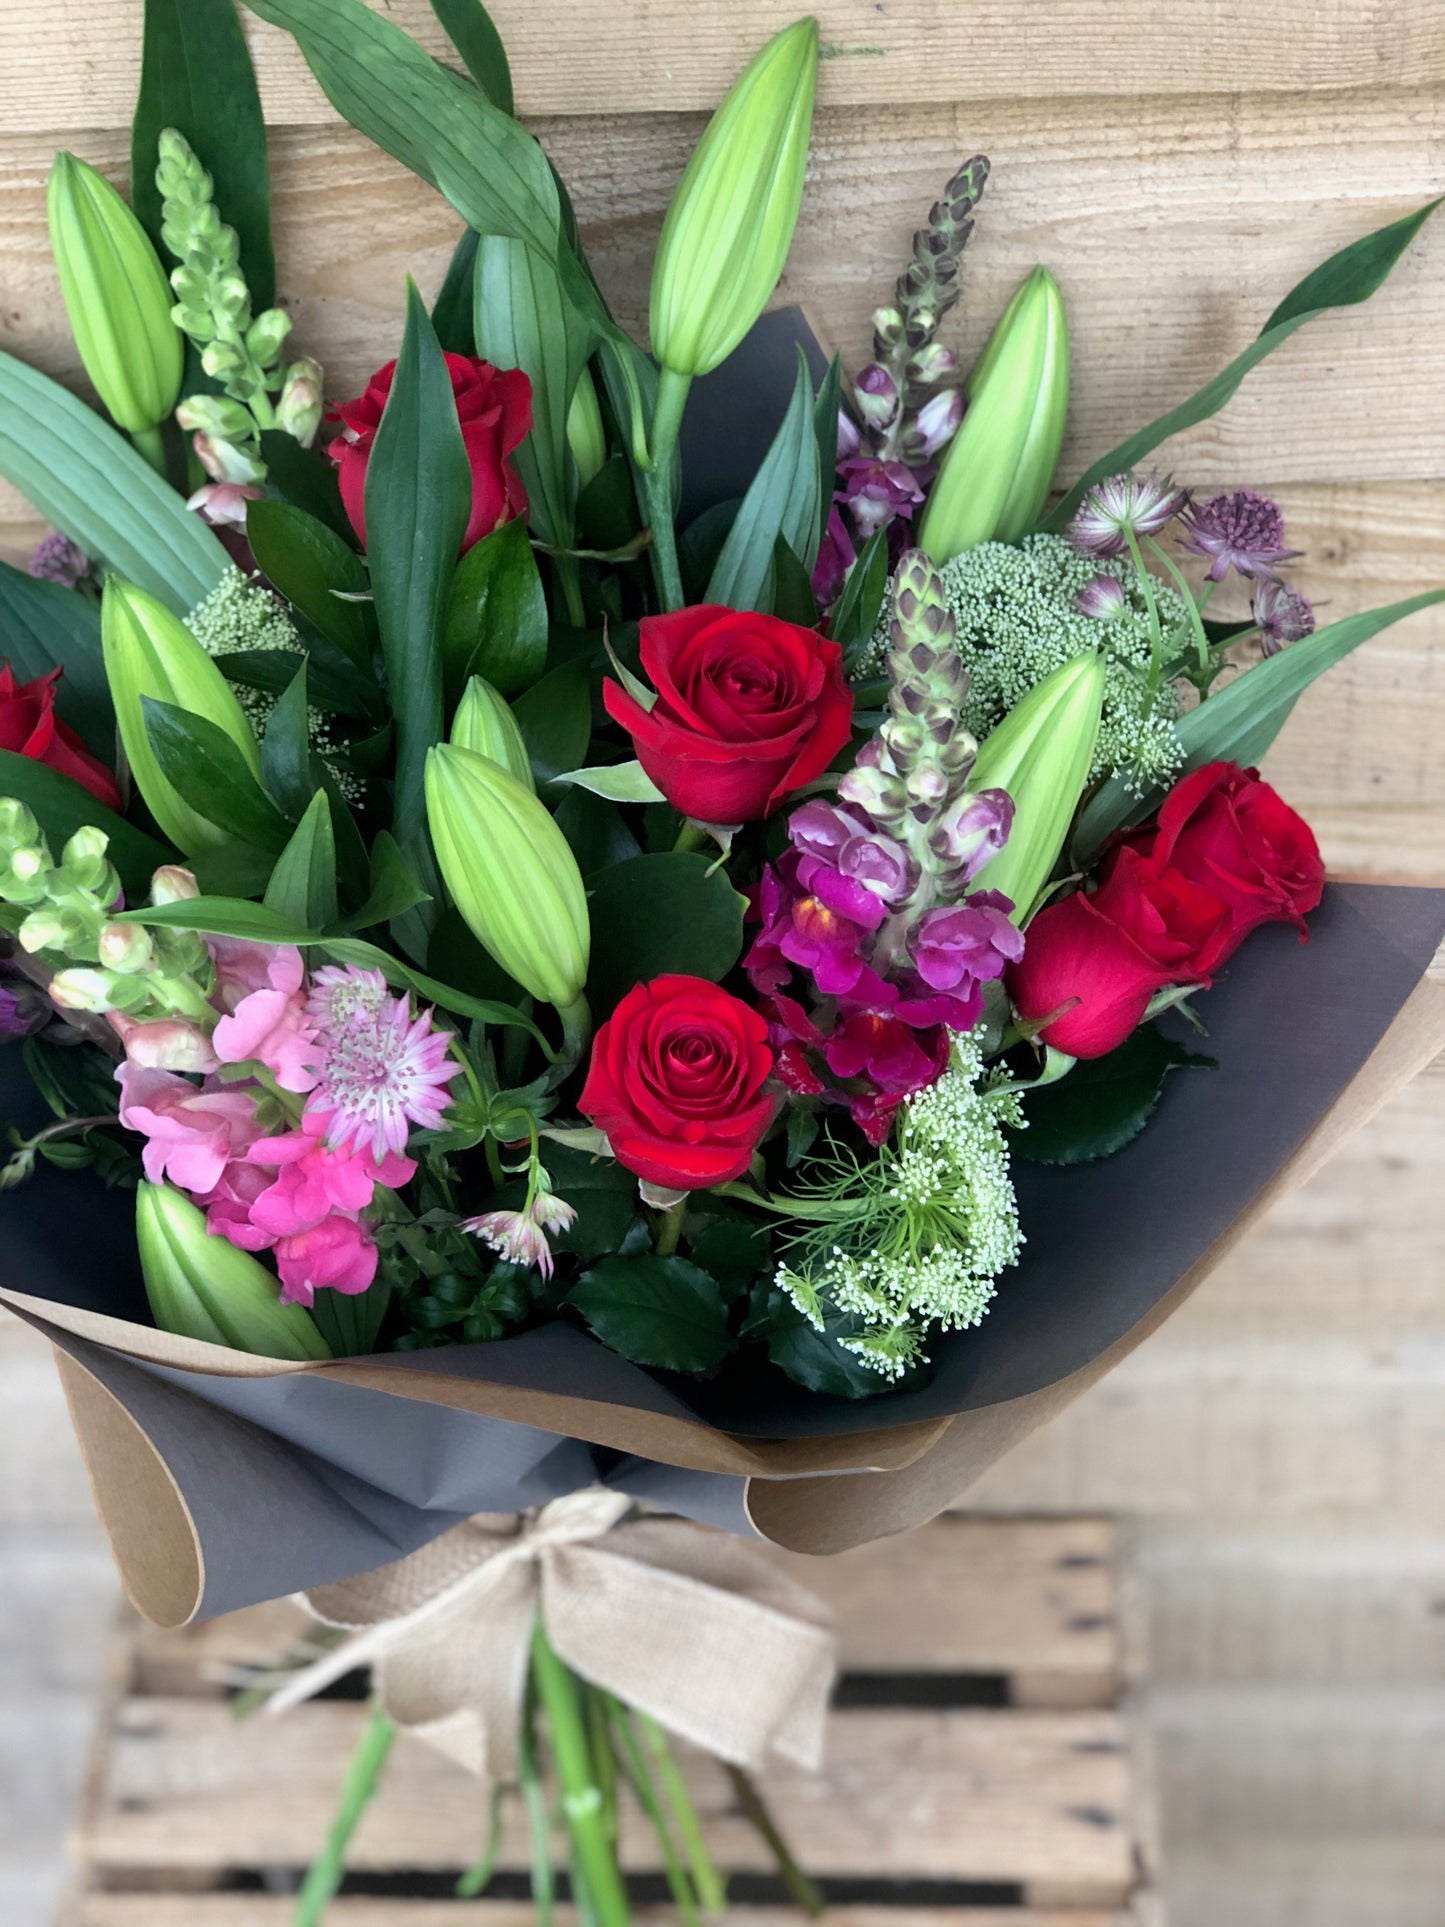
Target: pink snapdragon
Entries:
(192, 1133)
(261, 987)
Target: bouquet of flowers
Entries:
(650, 986)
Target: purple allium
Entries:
(1121, 505)
(382, 1069)
(1283, 615)
(1103, 598)
(55, 558)
(1242, 531)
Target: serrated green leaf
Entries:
(816, 1359)
(303, 883)
(660, 1312)
(43, 627)
(781, 500)
(1103, 1103)
(207, 771)
(308, 562)
(85, 477)
(671, 911)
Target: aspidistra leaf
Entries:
(473, 33)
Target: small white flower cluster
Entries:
(937, 1221)
(1017, 623)
(240, 613)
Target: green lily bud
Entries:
(150, 652)
(484, 724)
(205, 1287)
(1041, 754)
(995, 475)
(585, 434)
(510, 873)
(731, 221)
(115, 295)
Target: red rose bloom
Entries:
(678, 1082)
(494, 407)
(1237, 838)
(1098, 959)
(748, 710)
(30, 727)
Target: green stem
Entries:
(657, 482)
(362, 1777)
(756, 1809)
(576, 1029)
(669, 1228)
(819, 1210)
(634, 1762)
(604, 1757)
(148, 442)
(570, 579)
(478, 1876)
(711, 1892)
(1146, 583)
(536, 1805)
(692, 836)
(581, 1796)
(1201, 641)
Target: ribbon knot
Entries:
(695, 1628)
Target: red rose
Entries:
(1105, 955)
(494, 407)
(30, 727)
(678, 1082)
(1237, 838)
(748, 710)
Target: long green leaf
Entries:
(496, 624)
(473, 33)
(451, 313)
(825, 425)
(1239, 724)
(45, 627)
(1351, 275)
(196, 76)
(308, 563)
(87, 479)
(418, 498)
(781, 500)
(303, 883)
(209, 774)
(62, 807)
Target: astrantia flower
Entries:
(1121, 505)
(1283, 615)
(382, 1070)
(552, 1213)
(1241, 531)
(340, 993)
(514, 1237)
(1103, 598)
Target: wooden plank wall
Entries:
(1179, 163)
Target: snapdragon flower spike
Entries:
(381, 1070)
(1242, 531)
(1122, 505)
(1283, 615)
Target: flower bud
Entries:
(935, 424)
(17, 822)
(125, 947)
(217, 416)
(932, 363)
(510, 873)
(85, 845)
(115, 295)
(731, 221)
(50, 930)
(585, 434)
(877, 397)
(173, 883)
(266, 335)
(484, 724)
(301, 402)
(81, 989)
(204, 1287)
(1040, 754)
(150, 652)
(232, 466)
(994, 479)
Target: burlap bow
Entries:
(695, 1628)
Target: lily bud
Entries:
(994, 480)
(484, 724)
(301, 402)
(510, 873)
(150, 652)
(585, 434)
(115, 295)
(204, 1287)
(1041, 754)
(731, 221)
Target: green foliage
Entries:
(306, 478)
(860, 606)
(603, 1194)
(473, 33)
(62, 807)
(210, 775)
(286, 750)
(451, 313)
(555, 718)
(812, 1356)
(669, 912)
(307, 562)
(496, 619)
(46, 627)
(303, 883)
(782, 500)
(660, 1312)
(1102, 1103)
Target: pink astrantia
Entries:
(382, 1070)
(192, 1134)
(266, 1020)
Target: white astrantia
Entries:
(919, 1238)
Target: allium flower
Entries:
(381, 1069)
(1103, 598)
(1122, 505)
(1283, 615)
(55, 558)
(1242, 531)
(515, 1237)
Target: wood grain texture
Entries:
(250, 1910)
(569, 59)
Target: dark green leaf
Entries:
(815, 1358)
(331, 682)
(496, 620)
(349, 1322)
(224, 917)
(454, 955)
(1240, 721)
(233, 870)
(196, 77)
(734, 1250)
(471, 30)
(303, 883)
(45, 627)
(208, 772)
(306, 561)
(658, 914)
(603, 1194)
(306, 478)
(792, 591)
(555, 718)
(661, 1312)
(394, 889)
(856, 613)
(485, 1009)
(1102, 1103)
(802, 1129)
(286, 750)
(825, 426)
(607, 517)
(1351, 275)
(781, 500)
(451, 313)
(595, 830)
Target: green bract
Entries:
(1041, 755)
(204, 1287)
(484, 723)
(731, 221)
(510, 873)
(150, 652)
(115, 295)
(995, 476)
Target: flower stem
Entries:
(571, 585)
(756, 1809)
(1146, 583)
(1201, 641)
(576, 1029)
(666, 422)
(669, 1228)
(362, 1777)
(691, 836)
(148, 443)
(634, 1763)
(711, 1892)
(535, 1802)
(582, 1801)
(478, 1876)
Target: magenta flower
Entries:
(970, 944)
(1120, 506)
(878, 492)
(1283, 615)
(336, 1255)
(972, 830)
(313, 1179)
(268, 1025)
(852, 867)
(936, 425)
(191, 1134)
(1242, 531)
(381, 1069)
(836, 556)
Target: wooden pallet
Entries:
(980, 1772)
